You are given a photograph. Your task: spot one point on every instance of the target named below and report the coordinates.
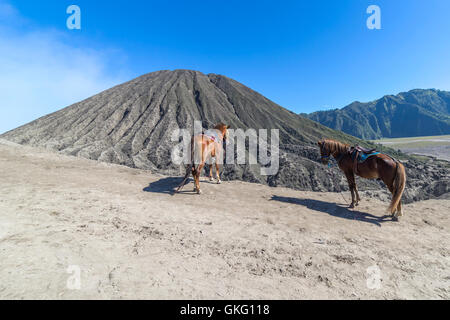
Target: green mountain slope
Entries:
(414, 113)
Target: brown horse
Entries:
(378, 166)
(204, 147)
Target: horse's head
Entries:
(223, 128)
(330, 147)
(325, 152)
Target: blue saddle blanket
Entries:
(363, 156)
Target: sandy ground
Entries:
(435, 146)
(440, 152)
(131, 239)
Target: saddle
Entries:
(211, 135)
(360, 154)
(213, 138)
(365, 150)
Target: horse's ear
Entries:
(228, 126)
(319, 143)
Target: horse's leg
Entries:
(194, 174)
(218, 173)
(199, 170)
(351, 185)
(211, 172)
(197, 150)
(399, 209)
(358, 199)
(219, 153)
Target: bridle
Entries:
(338, 159)
(326, 157)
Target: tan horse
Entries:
(204, 147)
(379, 166)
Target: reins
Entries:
(338, 159)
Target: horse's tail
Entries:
(190, 168)
(398, 186)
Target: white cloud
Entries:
(41, 71)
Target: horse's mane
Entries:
(335, 146)
(220, 126)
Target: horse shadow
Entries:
(167, 185)
(334, 210)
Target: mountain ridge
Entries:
(418, 112)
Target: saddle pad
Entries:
(363, 156)
(212, 135)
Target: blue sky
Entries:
(303, 55)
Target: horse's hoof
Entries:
(211, 179)
(219, 181)
(352, 206)
(199, 191)
(394, 218)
